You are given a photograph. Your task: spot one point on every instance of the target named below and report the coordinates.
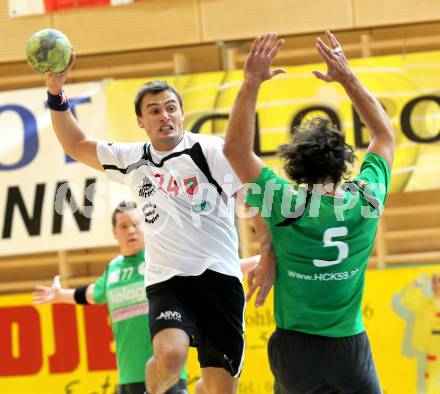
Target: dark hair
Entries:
(317, 153)
(153, 87)
(123, 206)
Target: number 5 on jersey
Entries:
(329, 234)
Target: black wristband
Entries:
(57, 102)
(79, 295)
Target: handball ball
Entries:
(48, 50)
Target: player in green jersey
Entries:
(122, 288)
(323, 228)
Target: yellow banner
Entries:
(402, 318)
(408, 87)
(69, 349)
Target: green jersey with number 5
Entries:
(322, 245)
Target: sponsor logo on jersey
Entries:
(203, 206)
(147, 188)
(129, 312)
(150, 214)
(169, 315)
(191, 185)
(126, 295)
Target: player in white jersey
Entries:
(184, 187)
(179, 195)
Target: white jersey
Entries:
(185, 197)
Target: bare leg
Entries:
(170, 347)
(218, 381)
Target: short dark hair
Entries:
(123, 206)
(153, 87)
(318, 152)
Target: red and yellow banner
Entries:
(56, 349)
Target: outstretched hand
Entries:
(55, 82)
(257, 67)
(333, 55)
(45, 295)
(261, 278)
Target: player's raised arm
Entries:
(238, 147)
(367, 106)
(67, 129)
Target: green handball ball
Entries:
(48, 50)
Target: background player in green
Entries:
(121, 287)
(323, 232)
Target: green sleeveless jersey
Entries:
(322, 247)
(122, 288)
